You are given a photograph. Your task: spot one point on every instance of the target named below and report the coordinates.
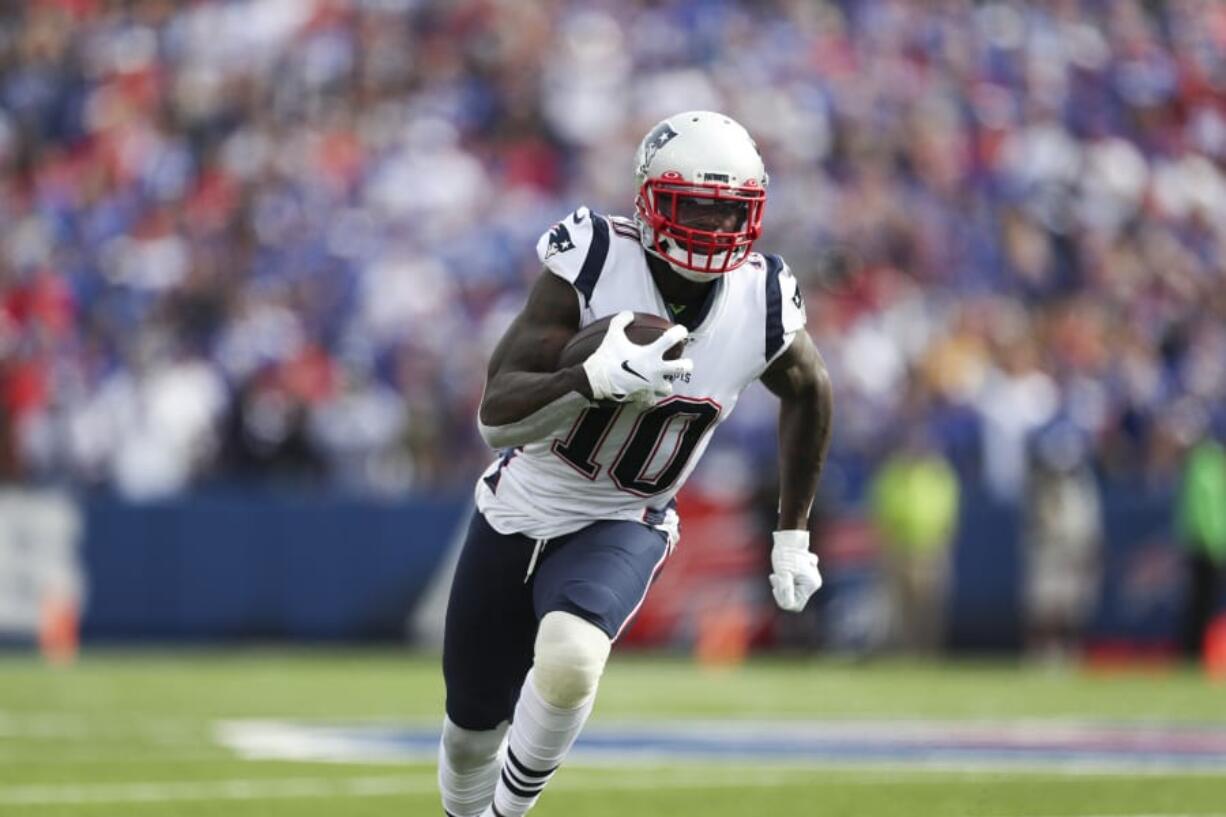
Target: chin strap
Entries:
(690, 275)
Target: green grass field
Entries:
(133, 734)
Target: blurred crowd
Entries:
(277, 239)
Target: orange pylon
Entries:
(59, 634)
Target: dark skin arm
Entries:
(521, 377)
(799, 379)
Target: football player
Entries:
(576, 517)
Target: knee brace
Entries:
(468, 749)
(569, 659)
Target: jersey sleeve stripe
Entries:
(624, 228)
(774, 306)
(593, 265)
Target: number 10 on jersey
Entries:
(629, 470)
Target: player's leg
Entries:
(468, 764)
(487, 650)
(588, 586)
(554, 703)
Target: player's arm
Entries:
(524, 394)
(806, 407)
(799, 378)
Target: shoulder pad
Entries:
(575, 249)
(785, 305)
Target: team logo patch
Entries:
(658, 138)
(559, 240)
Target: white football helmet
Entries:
(701, 193)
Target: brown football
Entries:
(644, 329)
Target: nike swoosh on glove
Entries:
(622, 370)
(795, 577)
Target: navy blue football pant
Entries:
(600, 573)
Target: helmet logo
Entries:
(660, 136)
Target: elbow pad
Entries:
(537, 425)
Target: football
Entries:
(644, 329)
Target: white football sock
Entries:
(468, 764)
(541, 736)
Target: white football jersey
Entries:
(626, 461)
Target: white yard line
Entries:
(417, 784)
(54, 726)
(120, 756)
(235, 789)
(385, 785)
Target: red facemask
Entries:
(703, 227)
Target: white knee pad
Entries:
(569, 660)
(468, 749)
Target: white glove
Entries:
(621, 369)
(795, 577)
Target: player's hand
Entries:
(622, 370)
(795, 577)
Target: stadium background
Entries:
(254, 256)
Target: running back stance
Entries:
(577, 515)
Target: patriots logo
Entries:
(658, 138)
(559, 240)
